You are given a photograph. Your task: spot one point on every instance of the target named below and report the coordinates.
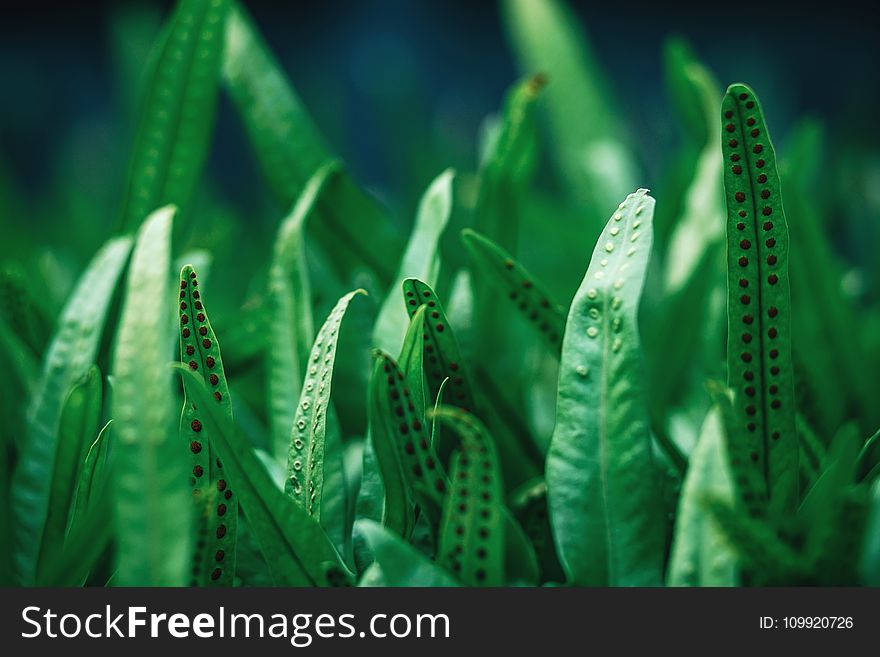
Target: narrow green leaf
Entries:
(508, 163)
(305, 457)
(151, 496)
(869, 562)
(216, 507)
(412, 357)
(92, 478)
(700, 555)
(71, 351)
(420, 260)
(603, 488)
(291, 329)
(520, 288)
(177, 111)
(472, 529)
(295, 547)
(400, 563)
(441, 349)
(759, 309)
(596, 166)
(79, 422)
(354, 230)
(401, 441)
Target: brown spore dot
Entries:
(746, 337)
(751, 410)
(768, 225)
(198, 305)
(772, 333)
(775, 435)
(750, 391)
(767, 211)
(435, 314)
(745, 244)
(775, 404)
(404, 428)
(743, 261)
(730, 127)
(196, 426)
(409, 293)
(218, 396)
(409, 448)
(751, 426)
(439, 328)
(772, 311)
(740, 197)
(765, 194)
(742, 213)
(770, 243)
(193, 365)
(203, 330)
(218, 556)
(210, 362)
(743, 96)
(426, 293)
(484, 533)
(185, 333)
(195, 283)
(214, 379)
(774, 389)
(201, 317)
(748, 375)
(746, 357)
(198, 471)
(221, 531)
(733, 143)
(771, 260)
(762, 178)
(431, 304)
(221, 509)
(740, 226)
(416, 425)
(754, 457)
(755, 132)
(412, 302)
(734, 157)
(774, 370)
(430, 463)
(184, 319)
(743, 282)
(773, 279)
(195, 447)
(221, 485)
(757, 148)
(215, 574)
(745, 299)
(190, 350)
(182, 285)
(206, 343)
(750, 121)
(748, 319)
(774, 353)
(728, 114)
(440, 486)
(196, 294)
(737, 169)
(183, 305)
(750, 104)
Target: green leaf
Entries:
(472, 528)
(700, 555)
(151, 496)
(292, 329)
(71, 351)
(177, 111)
(353, 230)
(400, 563)
(295, 547)
(304, 482)
(407, 460)
(92, 479)
(412, 358)
(595, 165)
(759, 308)
(522, 290)
(420, 260)
(508, 163)
(216, 505)
(870, 554)
(79, 422)
(603, 489)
